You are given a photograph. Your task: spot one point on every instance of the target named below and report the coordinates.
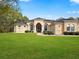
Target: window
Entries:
(24, 26)
(70, 28)
(31, 27)
(45, 27)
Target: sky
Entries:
(49, 9)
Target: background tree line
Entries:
(9, 13)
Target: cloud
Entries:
(25, 0)
(73, 12)
(75, 1)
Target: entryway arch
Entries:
(38, 27)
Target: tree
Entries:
(8, 14)
(60, 19)
(25, 18)
(78, 18)
(6, 5)
(70, 18)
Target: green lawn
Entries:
(31, 46)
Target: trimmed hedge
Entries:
(28, 31)
(48, 32)
(71, 33)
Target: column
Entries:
(42, 28)
(34, 28)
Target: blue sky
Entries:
(50, 9)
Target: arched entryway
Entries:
(39, 27)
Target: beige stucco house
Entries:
(38, 25)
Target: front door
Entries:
(38, 28)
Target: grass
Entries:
(31, 46)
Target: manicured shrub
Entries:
(45, 32)
(31, 31)
(27, 31)
(77, 33)
(66, 33)
(71, 33)
(48, 32)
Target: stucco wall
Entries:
(58, 28)
(52, 28)
(20, 29)
(78, 26)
